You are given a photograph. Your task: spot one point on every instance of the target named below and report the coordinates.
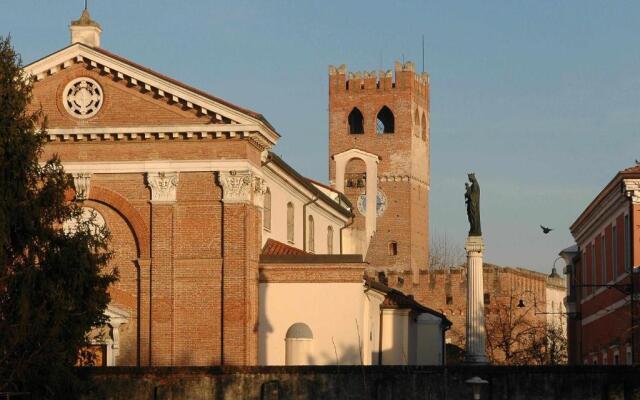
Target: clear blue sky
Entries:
(541, 99)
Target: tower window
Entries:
(393, 248)
(356, 126)
(424, 127)
(385, 121)
(487, 298)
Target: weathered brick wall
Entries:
(446, 292)
(357, 383)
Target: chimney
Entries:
(85, 30)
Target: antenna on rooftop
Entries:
(423, 53)
(85, 4)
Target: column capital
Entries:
(242, 187)
(474, 244)
(631, 188)
(163, 186)
(82, 184)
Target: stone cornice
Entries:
(166, 132)
(631, 189)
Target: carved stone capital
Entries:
(474, 244)
(631, 188)
(236, 186)
(242, 187)
(259, 189)
(163, 186)
(82, 183)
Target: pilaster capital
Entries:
(631, 189)
(242, 187)
(259, 189)
(474, 244)
(163, 186)
(82, 183)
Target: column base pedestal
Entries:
(476, 360)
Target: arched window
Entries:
(424, 127)
(330, 240)
(298, 341)
(385, 121)
(417, 123)
(266, 211)
(356, 122)
(393, 248)
(311, 236)
(290, 222)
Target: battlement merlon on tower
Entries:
(405, 78)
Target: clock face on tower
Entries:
(381, 203)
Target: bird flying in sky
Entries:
(545, 230)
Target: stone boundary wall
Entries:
(358, 383)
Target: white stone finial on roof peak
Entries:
(85, 30)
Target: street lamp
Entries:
(476, 385)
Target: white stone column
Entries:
(372, 199)
(476, 334)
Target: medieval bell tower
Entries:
(379, 145)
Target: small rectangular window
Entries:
(487, 298)
(449, 299)
(393, 248)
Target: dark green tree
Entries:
(53, 280)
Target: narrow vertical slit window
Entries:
(330, 240)
(290, 222)
(311, 235)
(266, 211)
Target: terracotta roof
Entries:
(275, 248)
(634, 170)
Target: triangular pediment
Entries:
(134, 96)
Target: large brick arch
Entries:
(128, 212)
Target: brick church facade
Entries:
(225, 253)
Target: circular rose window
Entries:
(82, 98)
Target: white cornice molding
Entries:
(356, 153)
(78, 53)
(125, 167)
(631, 188)
(608, 209)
